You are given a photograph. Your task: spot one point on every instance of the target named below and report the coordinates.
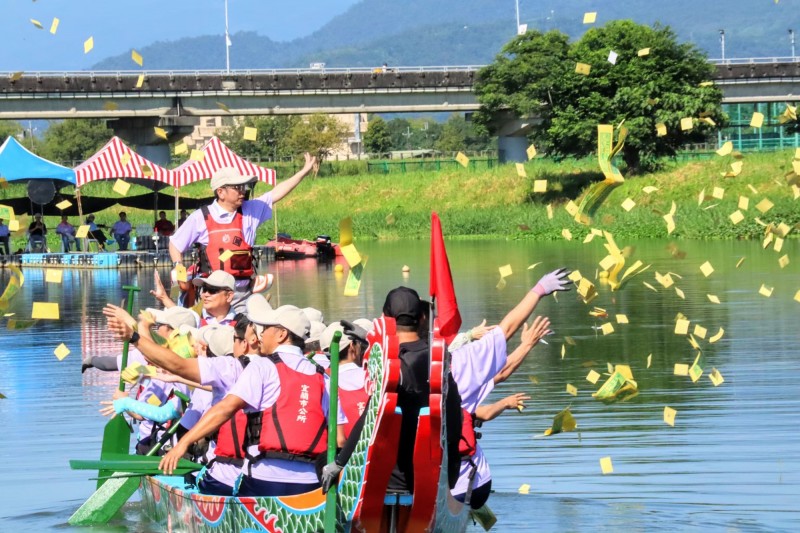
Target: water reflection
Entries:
(732, 462)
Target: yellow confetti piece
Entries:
(661, 129)
(725, 149)
(649, 360)
(37, 24)
(649, 286)
(706, 269)
(88, 45)
(567, 234)
(524, 489)
(718, 193)
(136, 57)
(687, 123)
(765, 291)
(139, 81)
(608, 261)
(681, 326)
(680, 369)
(744, 203)
(549, 209)
(607, 328)
(592, 377)
(16, 76)
(351, 255)
(583, 69)
(757, 121)
(505, 271)
(224, 256)
(739, 262)
(669, 416)
(701, 197)
(53, 275)
(521, 171)
(462, 159)
(783, 261)
(605, 465)
(649, 189)
(82, 233)
(563, 351)
(539, 186)
(125, 159)
(670, 220)
(713, 299)
(531, 267)
(643, 52)
(572, 389)
(160, 132)
(153, 400)
(45, 311)
(181, 148)
(531, 151)
(121, 187)
(146, 171)
(797, 296)
(571, 208)
(717, 337)
(110, 106)
(764, 205)
(180, 273)
(590, 17)
(680, 293)
(64, 204)
(250, 134)
(13, 225)
(197, 155)
(736, 217)
(716, 378)
(54, 25)
(628, 204)
(778, 244)
(622, 319)
(61, 351)
(700, 331)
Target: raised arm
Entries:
(285, 187)
(530, 337)
(548, 284)
(121, 324)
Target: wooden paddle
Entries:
(117, 433)
(333, 408)
(116, 491)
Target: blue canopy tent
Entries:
(18, 164)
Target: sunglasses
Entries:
(213, 290)
(239, 188)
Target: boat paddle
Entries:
(116, 491)
(141, 465)
(117, 433)
(333, 407)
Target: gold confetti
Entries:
(681, 369)
(592, 377)
(649, 286)
(64, 204)
(606, 466)
(744, 203)
(764, 205)
(160, 132)
(783, 261)
(757, 121)
(739, 262)
(88, 45)
(736, 217)
(462, 159)
(82, 233)
(121, 187)
(590, 17)
(181, 148)
(140, 81)
(661, 129)
(716, 378)
(137, 58)
(505, 271)
(524, 489)
(643, 52)
(725, 149)
(37, 24)
(607, 328)
(712, 298)
(680, 293)
(681, 326)
(649, 360)
(549, 209)
(718, 193)
(700, 331)
(53, 275)
(622, 319)
(539, 186)
(765, 291)
(571, 389)
(61, 351)
(197, 155)
(54, 25)
(706, 269)
(567, 234)
(583, 68)
(687, 123)
(669, 415)
(250, 134)
(45, 310)
(649, 189)
(531, 152)
(717, 337)
(628, 204)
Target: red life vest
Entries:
(230, 437)
(468, 440)
(353, 404)
(222, 237)
(295, 427)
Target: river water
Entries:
(730, 463)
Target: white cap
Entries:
(287, 316)
(219, 339)
(365, 323)
(175, 317)
(314, 315)
(315, 331)
(326, 338)
(218, 278)
(229, 176)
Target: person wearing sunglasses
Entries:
(226, 229)
(216, 293)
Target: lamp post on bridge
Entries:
(722, 43)
(791, 38)
(227, 42)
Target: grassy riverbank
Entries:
(498, 203)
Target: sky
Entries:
(117, 26)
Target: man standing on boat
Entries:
(226, 229)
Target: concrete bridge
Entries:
(139, 100)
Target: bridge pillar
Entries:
(512, 149)
(140, 131)
(512, 136)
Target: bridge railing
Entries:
(754, 60)
(245, 72)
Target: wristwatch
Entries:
(135, 337)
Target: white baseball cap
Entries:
(229, 176)
(288, 317)
(315, 331)
(219, 279)
(326, 338)
(314, 315)
(219, 340)
(175, 317)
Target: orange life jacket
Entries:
(222, 237)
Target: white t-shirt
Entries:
(259, 387)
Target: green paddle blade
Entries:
(134, 464)
(105, 502)
(116, 440)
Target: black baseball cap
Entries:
(404, 305)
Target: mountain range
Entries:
(460, 32)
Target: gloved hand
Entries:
(554, 281)
(355, 332)
(330, 476)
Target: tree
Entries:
(377, 139)
(400, 133)
(535, 77)
(459, 134)
(272, 140)
(317, 134)
(75, 139)
(9, 128)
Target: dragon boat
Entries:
(363, 503)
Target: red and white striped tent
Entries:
(216, 156)
(117, 160)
